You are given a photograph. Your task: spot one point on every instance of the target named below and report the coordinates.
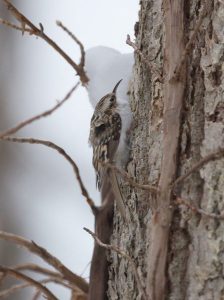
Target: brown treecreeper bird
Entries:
(105, 137)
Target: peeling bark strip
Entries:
(173, 99)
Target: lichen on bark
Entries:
(147, 107)
(196, 243)
(204, 272)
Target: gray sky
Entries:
(49, 206)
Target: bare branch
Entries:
(20, 276)
(37, 117)
(77, 41)
(13, 289)
(58, 281)
(37, 269)
(54, 276)
(9, 24)
(65, 155)
(36, 295)
(77, 296)
(123, 254)
(130, 180)
(61, 282)
(211, 157)
(47, 257)
(18, 287)
(173, 101)
(40, 33)
(181, 201)
(152, 66)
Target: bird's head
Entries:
(109, 101)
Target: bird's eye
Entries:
(112, 99)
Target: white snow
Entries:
(105, 67)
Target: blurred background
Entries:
(39, 196)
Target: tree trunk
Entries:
(192, 266)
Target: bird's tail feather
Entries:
(117, 194)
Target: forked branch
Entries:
(47, 257)
(27, 25)
(17, 287)
(37, 269)
(13, 26)
(29, 280)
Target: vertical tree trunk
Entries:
(194, 263)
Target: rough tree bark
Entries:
(193, 265)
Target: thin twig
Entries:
(187, 49)
(9, 24)
(131, 181)
(77, 41)
(13, 289)
(39, 116)
(73, 289)
(84, 270)
(20, 276)
(40, 33)
(64, 154)
(211, 157)
(156, 284)
(126, 256)
(37, 295)
(152, 67)
(181, 201)
(60, 282)
(37, 269)
(17, 287)
(54, 276)
(46, 256)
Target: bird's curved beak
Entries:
(116, 86)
